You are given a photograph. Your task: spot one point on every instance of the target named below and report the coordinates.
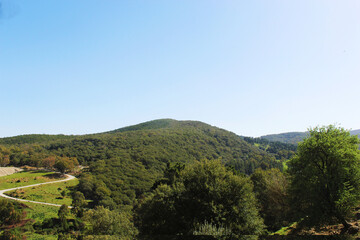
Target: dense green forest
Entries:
(281, 151)
(128, 160)
(168, 177)
(290, 137)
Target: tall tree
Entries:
(204, 192)
(326, 176)
(62, 214)
(102, 221)
(64, 164)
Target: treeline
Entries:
(35, 156)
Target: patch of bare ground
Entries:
(4, 171)
(336, 229)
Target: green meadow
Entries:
(57, 193)
(26, 178)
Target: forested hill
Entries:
(290, 137)
(295, 137)
(156, 142)
(160, 124)
(129, 160)
(33, 138)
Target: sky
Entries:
(251, 67)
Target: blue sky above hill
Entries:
(251, 67)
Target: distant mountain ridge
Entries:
(295, 137)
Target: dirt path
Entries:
(68, 178)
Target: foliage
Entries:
(126, 162)
(102, 221)
(78, 204)
(10, 235)
(326, 176)
(208, 229)
(4, 156)
(10, 213)
(281, 151)
(270, 187)
(32, 138)
(171, 173)
(65, 164)
(63, 214)
(204, 191)
(290, 137)
(295, 137)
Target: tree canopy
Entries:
(270, 187)
(204, 192)
(326, 176)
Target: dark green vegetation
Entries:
(290, 137)
(31, 139)
(204, 192)
(281, 151)
(168, 177)
(271, 189)
(11, 214)
(126, 162)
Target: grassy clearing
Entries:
(58, 193)
(27, 178)
(285, 230)
(35, 236)
(39, 212)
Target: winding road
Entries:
(68, 178)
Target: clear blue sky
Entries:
(251, 67)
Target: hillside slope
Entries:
(290, 137)
(295, 137)
(33, 138)
(129, 160)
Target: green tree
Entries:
(325, 172)
(102, 221)
(64, 164)
(271, 189)
(62, 214)
(78, 204)
(61, 166)
(205, 192)
(9, 213)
